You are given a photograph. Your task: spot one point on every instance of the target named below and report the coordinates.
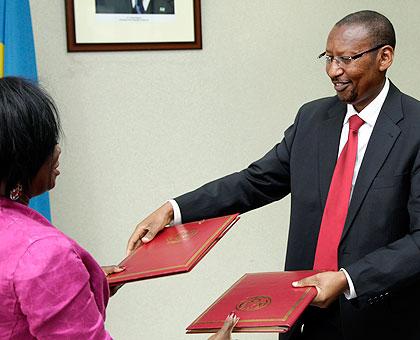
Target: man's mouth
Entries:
(340, 86)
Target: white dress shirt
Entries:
(145, 3)
(369, 114)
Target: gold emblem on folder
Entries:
(254, 303)
(184, 235)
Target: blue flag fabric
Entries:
(18, 59)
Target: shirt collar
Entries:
(371, 112)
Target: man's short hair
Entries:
(379, 26)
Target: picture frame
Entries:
(90, 28)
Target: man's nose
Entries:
(334, 69)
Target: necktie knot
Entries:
(355, 122)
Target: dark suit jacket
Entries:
(380, 244)
(161, 7)
(125, 6)
(114, 6)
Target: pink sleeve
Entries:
(53, 290)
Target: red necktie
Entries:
(335, 212)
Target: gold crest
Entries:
(254, 303)
(184, 235)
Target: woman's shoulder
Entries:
(22, 228)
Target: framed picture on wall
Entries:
(130, 25)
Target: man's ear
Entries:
(386, 57)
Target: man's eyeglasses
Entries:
(346, 60)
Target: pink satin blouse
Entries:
(50, 287)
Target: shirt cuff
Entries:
(351, 292)
(177, 213)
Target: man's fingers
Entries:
(311, 281)
(329, 286)
(137, 244)
(132, 244)
(304, 283)
(142, 235)
(298, 284)
(150, 235)
(135, 240)
(147, 229)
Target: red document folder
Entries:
(174, 250)
(264, 302)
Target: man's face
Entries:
(360, 81)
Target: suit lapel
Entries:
(384, 135)
(329, 138)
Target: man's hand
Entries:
(328, 284)
(225, 332)
(147, 229)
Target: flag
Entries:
(17, 58)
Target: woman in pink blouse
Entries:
(50, 287)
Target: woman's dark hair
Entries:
(29, 130)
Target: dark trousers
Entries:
(318, 324)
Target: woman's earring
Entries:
(16, 192)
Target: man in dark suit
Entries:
(135, 6)
(372, 291)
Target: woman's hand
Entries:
(110, 270)
(225, 332)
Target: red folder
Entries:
(264, 302)
(174, 250)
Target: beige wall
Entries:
(142, 127)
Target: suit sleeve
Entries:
(52, 287)
(264, 181)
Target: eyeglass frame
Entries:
(346, 60)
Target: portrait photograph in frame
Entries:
(130, 25)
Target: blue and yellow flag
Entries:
(17, 58)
